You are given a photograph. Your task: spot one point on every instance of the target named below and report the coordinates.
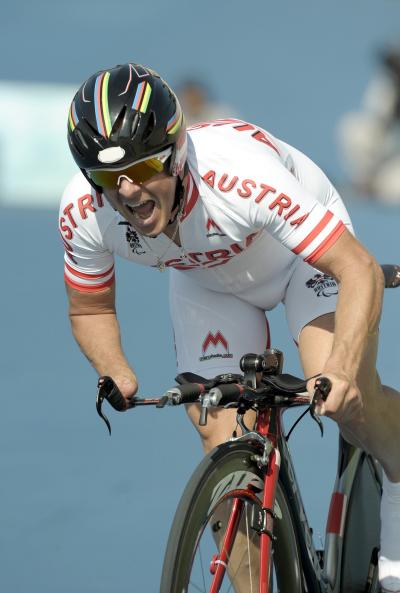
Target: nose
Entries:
(127, 188)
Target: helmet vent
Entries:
(93, 130)
(151, 124)
(81, 139)
(118, 122)
(135, 124)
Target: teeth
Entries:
(133, 208)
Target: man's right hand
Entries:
(96, 329)
(127, 385)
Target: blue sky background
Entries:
(292, 67)
(80, 512)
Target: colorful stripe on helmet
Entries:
(101, 104)
(175, 122)
(142, 97)
(104, 103)
(73, 118)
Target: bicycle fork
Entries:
(267, 519)
(261, 521)
(219, 563)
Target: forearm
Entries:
(357, 314)
(98, 337)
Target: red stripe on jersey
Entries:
(326, 243)
(87, 287)
(87, 276)
(336, 508)
(244, 126)
(190, 200)
(314, 233)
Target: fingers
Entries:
(343, 404)
(128, 387)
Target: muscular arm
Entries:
(359, 304)
(96, 329)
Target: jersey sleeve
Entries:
(301, 221)
(257, 185)
(88, 264)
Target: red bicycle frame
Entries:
(269, 426)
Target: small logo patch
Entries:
(133, 239)
(219, 347)
(213, 229)
(111, 155)
(323, 285)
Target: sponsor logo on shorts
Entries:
(213, 229)
(215, 346)
(323, 285)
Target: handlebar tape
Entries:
(229, 392)
(190, 392)
(392, 275)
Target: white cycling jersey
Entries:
(254, 204)
(256, 210)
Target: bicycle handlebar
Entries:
(277, 389)
(231, 390)
(392, 275)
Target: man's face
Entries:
(146, 206)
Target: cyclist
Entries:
(244, 221)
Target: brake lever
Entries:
(163, 402)
(99, 403)
(392, 275)
(107, 389)
(205, 404)
(322, 389)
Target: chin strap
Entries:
(92, 183)
(179, 195)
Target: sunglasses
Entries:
(137, 172)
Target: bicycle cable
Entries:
(306, 411)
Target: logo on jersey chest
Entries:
(132, 238)
(212, 258)
(284, 205)
(215, 345)
(213, 229)
(323, 285)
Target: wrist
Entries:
(114, 366)
(345, 358)
(340, 368)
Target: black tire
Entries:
(361, 530)
(222, 477)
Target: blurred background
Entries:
(80, 512)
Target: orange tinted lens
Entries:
(138, 172)
(106, 179)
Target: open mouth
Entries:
(143, 210)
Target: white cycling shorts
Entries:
(212, 330)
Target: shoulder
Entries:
(237, 161)
(83, 211)
(235, 148)
(234, 136)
